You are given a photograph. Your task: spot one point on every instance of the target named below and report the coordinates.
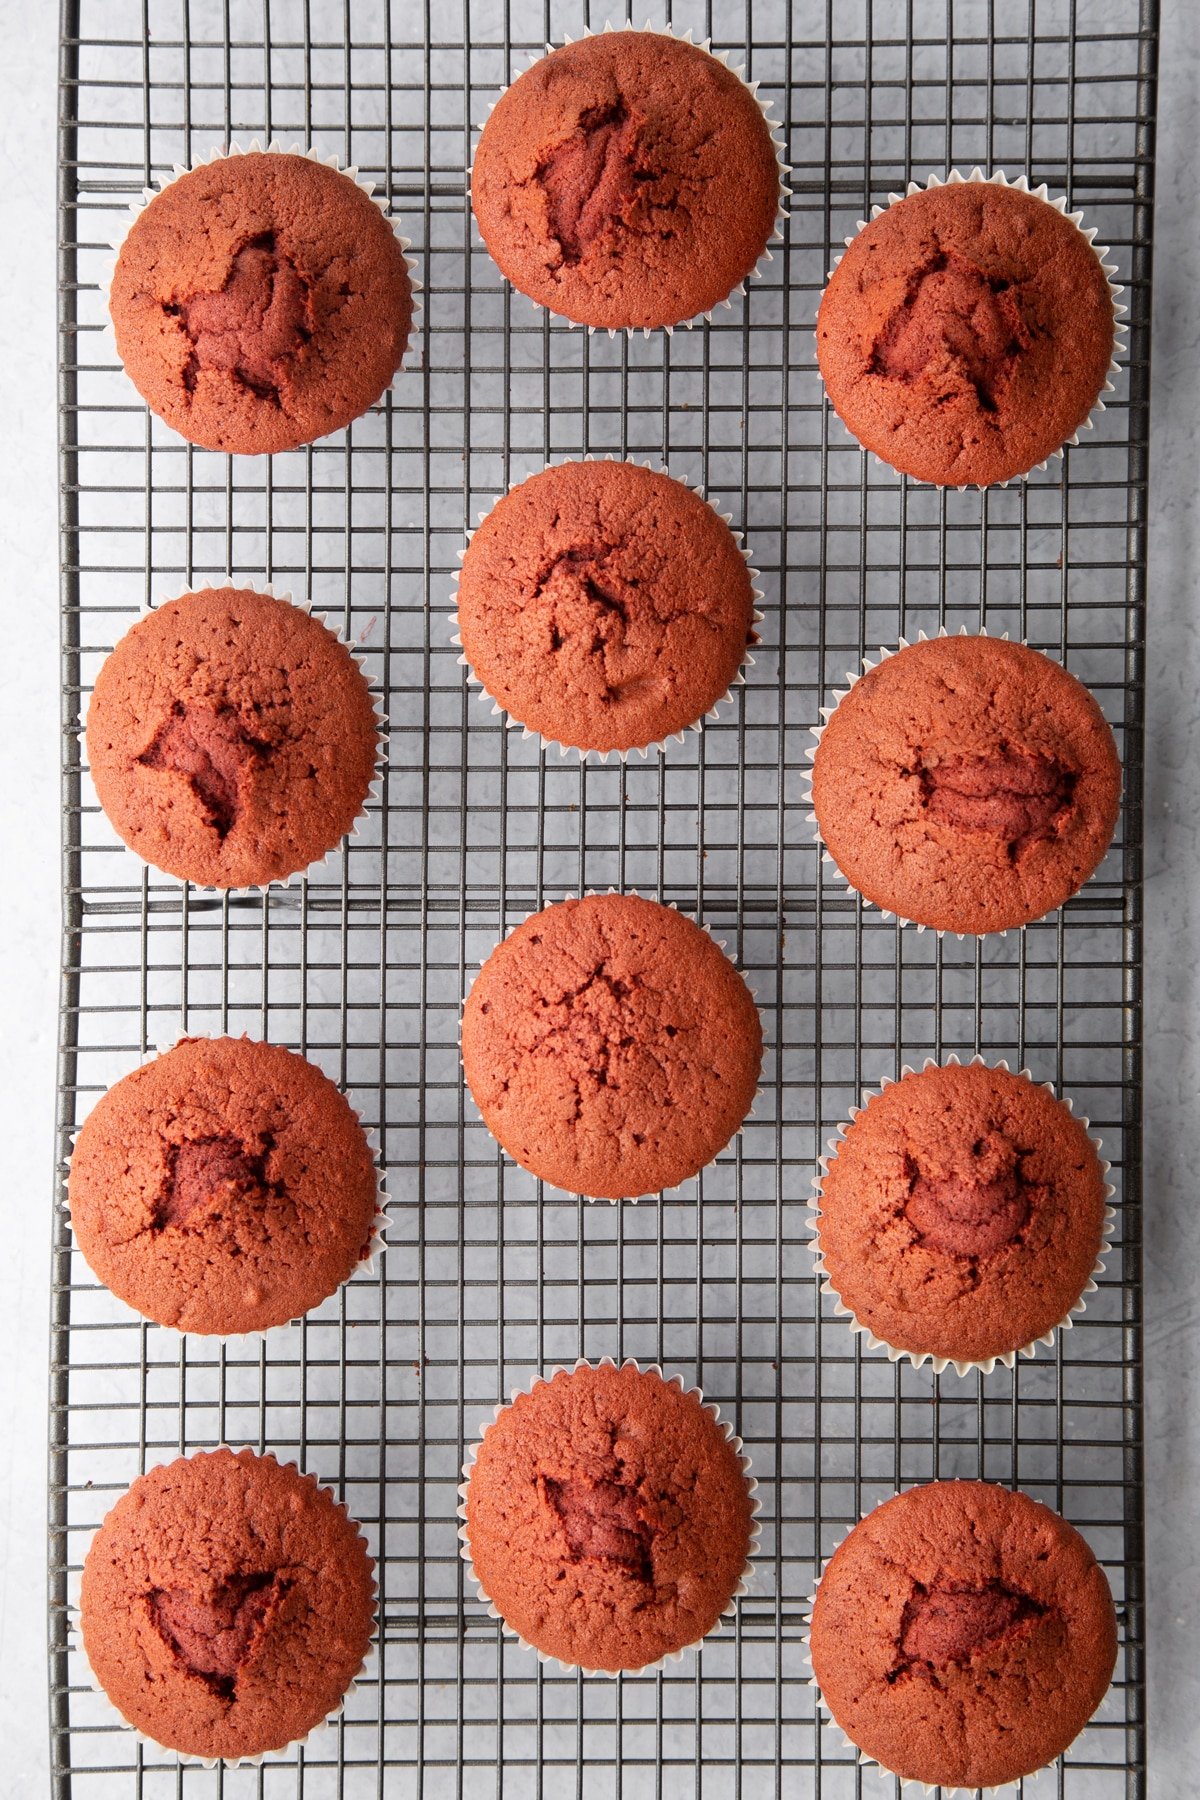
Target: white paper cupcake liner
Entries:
(872, 1762)
(243, 1340)
(774, 128)
(735, 1443)
(74, 1629)
(412, 357)
(374, 791)
(605, 1199)
(940, 1364)
(853, 677)
(659, 745)
(1021, 182)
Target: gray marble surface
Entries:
(1172, 1137)
(29, 939)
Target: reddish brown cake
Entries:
(608, 1518)
(963, 1635)
(966, 334)
(605, 606)
(627, 180)
(225, 1187)
(232, 738)
(260, 302)
(962, 1214)
(967, 783)
(227, 1604)
(611, 1047)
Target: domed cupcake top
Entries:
(605, 606)
(967, 783)
(608, 1517)
(967, 333)
(962, 1213)
(226, 1186)
(963, 1635)
(232, 738)
(227, 1604)
(261, 301)
(611, 1046)
(627, 180)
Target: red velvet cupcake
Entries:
(605, 606)
(968, 331)
(226, 1186)
(611, 1046)
(227, 1605)
(961, 1215)
(963, 1635)
(628, 181)
(966, 783)
(608, 1517)
(261, 301)
(232, 738)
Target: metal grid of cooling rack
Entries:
(363, 965)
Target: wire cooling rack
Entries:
(362, 966)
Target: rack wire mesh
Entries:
(362, 966)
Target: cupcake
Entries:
(227, 1605)
(261, 301)
(966, 783)
(963, 1635)
(224, 1187)
(608, 1518)
(627, 180)
(611, 1046)
(232, 738)
(967, 332)
(604, 606)
(961, 1215)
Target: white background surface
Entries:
(29, 949)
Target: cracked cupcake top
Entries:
(226, 1186)
(966, 334)
(608, 1517)
(227, 1604)
(628, 179)
(231, 738)
(611, 1046)
(963, 1635)
(605, 606)
(261, 302)
(962, 1213)
(967, 783)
